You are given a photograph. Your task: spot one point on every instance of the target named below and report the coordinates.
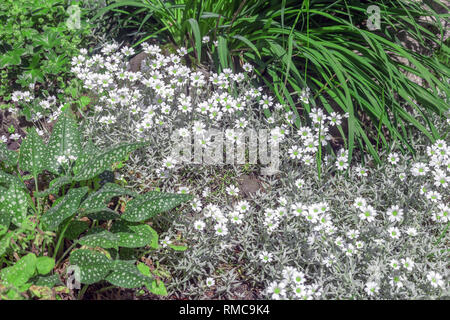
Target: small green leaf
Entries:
(178, 248)
(44, 265)
(7, 156)
(150, 204)
(64, 209)
(100, 214)
(158, 288)
(33, 154)
(94, 266)
(47, 281)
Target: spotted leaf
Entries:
(152, 203)
(94, 266)
(7, 156)
(132, 235)
(99, 199)
(14, 204)
(125, 274)
(103, 160)
(33, 154)
(99, 237)
(8, 179)
(64, 141)
(18, 274)
(63, 209)
(55, 185)
(44, 265)
(76, 228)
(88, 153)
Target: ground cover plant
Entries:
(228, 150)
(323, 45)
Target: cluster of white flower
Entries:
(293, 286)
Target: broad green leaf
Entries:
(76, 228)
(88, 153)
(64, 209)
(99, 237)
(54, 186)
(100, 214)
(18, 274)
(132, 235)
(7, 156)
(9, 179)
(99, 199)
(158, 287)
(94, 266)
(104, 159)
(14, 203)
(33, 154)
(223, 52)
(44, 265)
(4, 244)
(11, 58)
(64, 142)
(126, 275)
(150, 204)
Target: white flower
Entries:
(407, 263)
(394, 264)
(435, 279)
(242, 206)
(393, 158)
(368, 213)
(265, 256)
(411, 231)
(299, 183)
(235, 217)
(277, 290)
(372, 288)
(199, 225)
(394, 214)
(232, 190)
(419, 169)
(221, 229)
(210, 282)
(434, 196)
(360, 203)
(394, 233)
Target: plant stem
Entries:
(82, 292)
(65, 253)
(61, 237)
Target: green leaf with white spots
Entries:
(76, 228)
(103, 160)
(64, 141)
(33, 154)
(67, 207)
(100, 199)
(4, 244)
(18, 274)
(5, 217)
(8, 179)
(99, 237)
(7, 156)
(94, 266)
(132, 235)
(47, 281)
(125, 274)
(150, 204)
(14, 203)
(88, 153)
(155, 287)
(44, 265)
(100, 214)
(55, 185)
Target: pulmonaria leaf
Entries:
(33, 153)
(93, 266)
(14, 203)
(125, 274)
(64, 209)
(99, 199)
(8, 179)
(132, 235)
(150, 204)
(55, 185)
(100, 214)
(7, 156)
(88, 153)
(47, 281)
(99, 237)
(104, 159)
(44, 265)
(76, 228)
(64, 142)
(18, 274)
